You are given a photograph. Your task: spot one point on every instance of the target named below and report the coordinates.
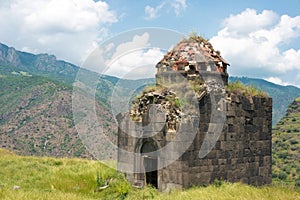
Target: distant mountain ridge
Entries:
(40, 64)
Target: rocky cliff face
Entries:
(9, 55)
(40, 64)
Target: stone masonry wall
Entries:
(242, 152)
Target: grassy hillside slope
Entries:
(286, 145)
(46, 178)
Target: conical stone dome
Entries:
(194, 56)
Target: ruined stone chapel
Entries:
(190, 129)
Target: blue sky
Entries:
(204, 17)
(259, 38)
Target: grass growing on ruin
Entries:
(239, 88)
(53, 178)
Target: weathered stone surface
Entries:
(241, 153)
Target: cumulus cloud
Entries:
(139, 63)
(128, 58)
(135, 58)
(138, 42)
(66, 28)
(249, 21)
(153, 12)
(277, 80)
(132, 54)
(253, 40)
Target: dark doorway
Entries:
(150, 163)
(151, 176)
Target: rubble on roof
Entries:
(192, 52)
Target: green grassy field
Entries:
(53, 178)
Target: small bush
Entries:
(118, 188)
(283, 155)
(297, 183)
(274, 175)
(282, 175)
(293, 141)
(287, 169)
(121, 186)
(100, 180)
(217, 183)
(293, 148)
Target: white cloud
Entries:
(135, 58)
(138, 42)
(277, 81)
(65, 16)
(252, 41)
(131, 59)
(177, 5)
(151, 13)
(249, 21)
(65, 28)
(140, 63)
